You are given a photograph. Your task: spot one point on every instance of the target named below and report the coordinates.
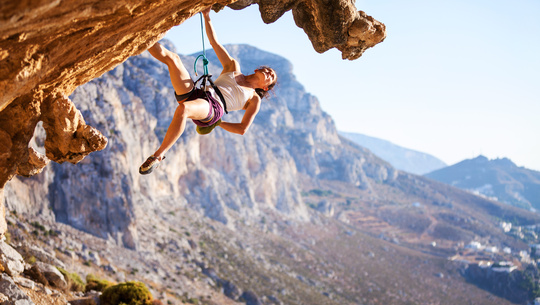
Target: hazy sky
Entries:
(454, 79)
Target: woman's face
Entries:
(267, 77)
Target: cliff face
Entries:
(220, 174)
(47, 49)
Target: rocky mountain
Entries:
(499, 179)
(290, 213)
(51, 48)
(401, 158)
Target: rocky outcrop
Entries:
(328, 24)
(47, 49)
(518, 286)
(51, 273)
(11, 261)
(11, 292)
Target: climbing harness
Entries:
(207, 77)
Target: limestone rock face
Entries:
(49, 48)
(328, 24)
(225, 176)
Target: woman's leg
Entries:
(195, 109)
(180, 78)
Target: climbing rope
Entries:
(203, 55)
(207, 77)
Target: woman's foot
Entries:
(150, 164)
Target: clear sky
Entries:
(454, 79)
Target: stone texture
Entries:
(48, 48)
(328, 24)
(32, 163)
(27, 249)
(11, 260)
(24, 282)
(69, 139)
(83, 301)
(52, 274)
(3, 223)
(14, 294)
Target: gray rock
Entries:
(22, 281)
(274, 300)
(52, 274)
(40, 254)
(251, 298)
(15, 294)
(109, 268)
(20, 302)
(83, 301)
(230, 290)
(94, 258)
(11, 260)
(326, 207)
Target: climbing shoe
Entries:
(149, 165)
(208, 129)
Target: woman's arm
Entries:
(229, 64)
(253, 106)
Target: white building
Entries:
(506, 226)
(492, 249)
(475, 246)
(503, 267)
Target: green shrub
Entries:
(30, 259)
(97, 284)
(129, 293)
(73, 280)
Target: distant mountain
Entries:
(404, 159)
(499, 179)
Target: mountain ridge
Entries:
(500, 179)
(401, 158)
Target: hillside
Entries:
(401, 158)
(302, 217)
(499, 179)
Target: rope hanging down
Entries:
(203, 55)
(205, 75)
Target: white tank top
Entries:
(235, 95)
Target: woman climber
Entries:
(205, 108)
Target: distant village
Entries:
(505, 259)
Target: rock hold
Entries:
(68, 136)
(32, 164)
